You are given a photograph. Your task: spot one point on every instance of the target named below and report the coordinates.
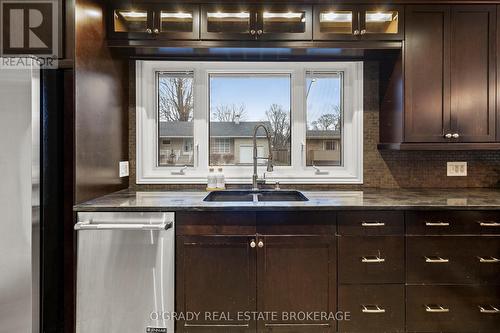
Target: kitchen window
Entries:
(208, 111)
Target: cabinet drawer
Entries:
(466, 260)
(371, 223)
(377, 259)
(455, 223)
(373, 308)
(296, 223)
(452, 309)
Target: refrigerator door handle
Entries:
(86, 225)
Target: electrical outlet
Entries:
(124, 169)
(456, 169)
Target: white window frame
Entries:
(148, 172)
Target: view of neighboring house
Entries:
(323, 147)
(231, 144)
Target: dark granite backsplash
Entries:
(382, 169)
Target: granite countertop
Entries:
(129, 200)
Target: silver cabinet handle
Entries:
(436, 260)
(252, 243)
(252, 32)
(372, 259)
(260, 244)
(488, 260)
(448, 135)
(488, 309)
(434, 308)
(372, 224)
(437, 224)
(488, 224)
(149, 31)
(122, 226)
(456, 135)
(156, 31)
(356, 32)
(260, 32)
(363, 31)
(372, 309)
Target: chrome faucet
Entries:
(255, 177)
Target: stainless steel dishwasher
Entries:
(125, 272)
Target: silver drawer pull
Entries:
(372, 309)
(372, 259)
(122, 226)
(434, 308)
(488, 260)
(436, 260)
(488, 224)
(372, 224)
(488, 309)
(437, 224)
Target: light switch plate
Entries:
(456, 169)
(124, 169)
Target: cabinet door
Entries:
(131, 21)
(215, 277)
(336, 22)
(177, 22)
(296, 274)
(228, 22)
(427, 95)
(382, 23)
(284, 23)
(473, 78)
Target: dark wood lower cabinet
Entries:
(216, 278)
(418, 272)
(452, 309)
(296, 276)
(372, 308)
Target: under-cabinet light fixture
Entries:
(380, 17)
(132, 14)
(178, 15)
(240, 15)
(288, 15)
(336, 17)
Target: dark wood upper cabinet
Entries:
(279, 22)
(473, 76)
(154, 21)
(450, 74)
(228, 22)
(351, 22)
(130, 21)
(252, 22)
(427, 96)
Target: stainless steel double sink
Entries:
(255, 196)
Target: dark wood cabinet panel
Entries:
(451, 309)
(296, 223)
(427, 53)
(368, 223)
(372, 308)
(216, 223)
(453, 260)
(473, 78)
(377, 259)
(215, 274)
(296, 273)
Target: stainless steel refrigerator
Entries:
(19, 200)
